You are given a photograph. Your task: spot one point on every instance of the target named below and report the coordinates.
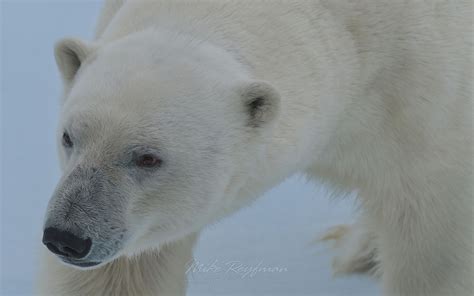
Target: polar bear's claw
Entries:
(355, 247)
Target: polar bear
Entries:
(179, 113)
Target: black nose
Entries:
(65, 243)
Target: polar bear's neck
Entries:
(157, 272)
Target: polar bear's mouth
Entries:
(80, 264)
(85, 264)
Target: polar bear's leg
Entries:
(424, 241)
(418, 246)
(355, 246)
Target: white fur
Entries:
(373, 95)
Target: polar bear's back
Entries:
(390, 30)
(433, 34)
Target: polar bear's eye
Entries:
(66, 140)
(148, 161)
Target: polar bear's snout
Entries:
(84, 222)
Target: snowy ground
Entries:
(262, 250)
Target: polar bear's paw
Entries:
(355, 247)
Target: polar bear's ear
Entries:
(70, 53)
(261, 102)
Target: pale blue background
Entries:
(275, 232)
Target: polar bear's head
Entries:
(154, 135)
